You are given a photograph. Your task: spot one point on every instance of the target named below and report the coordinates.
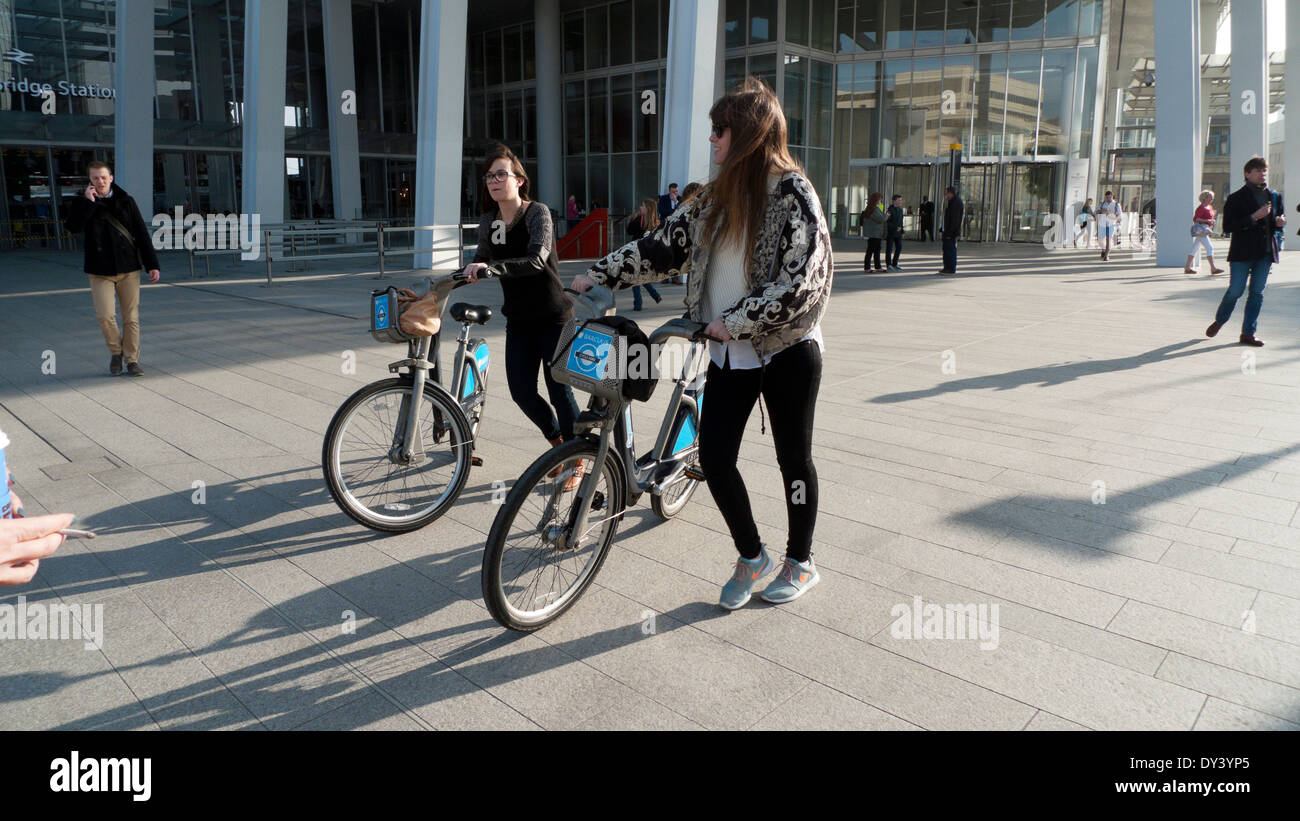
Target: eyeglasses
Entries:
(719, 130)
(498, 176)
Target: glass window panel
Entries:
(929, 23)
(866, 109)
(624, 113)
(1058, 101)
(763, 67)
(663, 27)
(994, 20)
(597, 121)
(818, 168)
(821, 103)
(648, 126)
(900, 17)
(575, 180)
(990, 105)
(895, 88)
(1027, 19)
(735, 23)
(959, 81)
(796, 22)
(529, 38)
(1022, 101)
(623, 196)
(847, 40)
(620, 33)
(514, 133)
(530, 122)
(927, 105)
(1090, 17)
(960, 26)
(496, 116)
(762, 21)
(870, 19)
(512, 51)
(174, 65)
(598, 181)
(1086, 105)
(477, 66)
(573, 42)
(575, 119)
(735, 72)
(823, 24)
(796, 77)
(647, 29)
(1062, 18)
(597, 40)
(647, 175)
(492, 56)
(842, 145)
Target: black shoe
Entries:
(115, 365)
(134, 369)
(1213, 329)
(1249, 339)
(658, 299)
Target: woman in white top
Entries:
(756, 249)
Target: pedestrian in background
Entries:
(1086, 217)
(1252, 215)
(645, 219)
(873, 220)
(118, 249)
(927, 219)
(1202, 227)
(894, 233)
(1108, 216)
(953, 213)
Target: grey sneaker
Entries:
(793, 581)
(134, 369)
(115, 365)
(736, 593)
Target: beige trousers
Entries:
(126, 289)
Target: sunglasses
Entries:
(498, 176)
(719, 130)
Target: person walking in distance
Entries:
(927, 219)
(118, 249)
(953, 213)
(894, 233)
(1251, 214)
(1202, 227)
(873, 220)
(757, 252)
(1108, 216)
(645, 219)
(1086, 216)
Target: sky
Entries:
(1276, 29)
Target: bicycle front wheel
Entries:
(533, 567)
(363, 466)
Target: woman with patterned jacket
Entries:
(757, 253)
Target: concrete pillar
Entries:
(1248, 83)
(550, 104)
(340, 80)
(439, 130)
(1178, 152)
(266, 36)
(692, 61)
(1291, 84)
(133, 108)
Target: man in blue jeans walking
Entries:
(1251, 214)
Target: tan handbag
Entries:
(419, 315)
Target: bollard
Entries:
(191, 263)
(379, 241)
(267, 246)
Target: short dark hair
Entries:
(672, 185)
(98, 164)
(1254, 163)
(896, 197)
(950, 190)
(1109, 194)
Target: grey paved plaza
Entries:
(1045, 433)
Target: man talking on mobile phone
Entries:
(118, 250)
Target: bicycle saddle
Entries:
(464, 312)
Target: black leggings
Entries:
(789, 389)
(873, 250)
(527, 348)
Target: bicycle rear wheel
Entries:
(532, 570)
(364, 473)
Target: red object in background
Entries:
(588, 239)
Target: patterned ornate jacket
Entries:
(788, 295)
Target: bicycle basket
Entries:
(384, 311)
(593, 353)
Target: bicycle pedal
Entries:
(476, 461)
(694, 473)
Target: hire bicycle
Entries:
(547, 543)
(398, 452)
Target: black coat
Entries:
(952, 216)
(1251, 238)
(107, 251)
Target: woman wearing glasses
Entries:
(516, 239)
(756, 249)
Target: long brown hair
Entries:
(651, 206)
(874, 200)
(739, 193)
(501, 152)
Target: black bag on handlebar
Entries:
(592, 353)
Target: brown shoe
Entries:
(1249, 339)
(1213, 329)
(1214, 271)
(1188, 271)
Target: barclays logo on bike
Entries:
(588, 354)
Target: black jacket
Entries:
(1251, 238)
(952, 216)
(107, 251)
